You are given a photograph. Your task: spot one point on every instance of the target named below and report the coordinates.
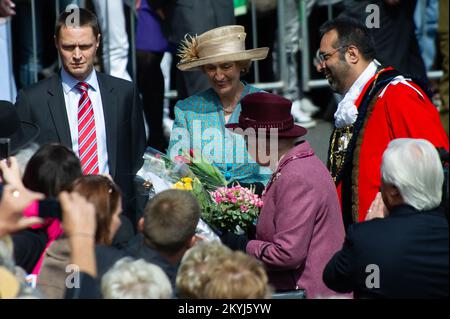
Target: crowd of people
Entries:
(72, 223)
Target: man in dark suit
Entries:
(98, 116)
(405, 254)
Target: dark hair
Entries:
(86, 18)
(170, 219)
(351, 32)
(51, 170)
(105, 195)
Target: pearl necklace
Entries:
(230, 108)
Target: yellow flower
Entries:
(178, 185)
(186, 180)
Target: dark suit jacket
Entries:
(43, 104)
(410, 249)
(193, 16)
(395, 40)
(138, 249)
(88, 289)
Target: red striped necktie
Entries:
(87, 138)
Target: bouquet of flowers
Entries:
(227, 209)
(208, 174)
(234, 208)
(160, 173)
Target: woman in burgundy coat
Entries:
(300, 226)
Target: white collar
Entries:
(347, 112)
(69, 82)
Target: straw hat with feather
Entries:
(223, 44)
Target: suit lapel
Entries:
(58, 111)
(109, 104)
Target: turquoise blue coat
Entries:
(200, 125)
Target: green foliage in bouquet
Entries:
(234, 209)
(228, 209)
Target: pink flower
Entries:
(244, 208)
(181, 159)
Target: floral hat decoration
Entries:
(223, 44)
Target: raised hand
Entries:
(12, 204)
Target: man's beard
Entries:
(337, 82)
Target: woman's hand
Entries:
(11, 172)
(78, 215)
(12, 204)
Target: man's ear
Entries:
(192, 241)
(353, 54)
(394, 191)
(56, 41)
(140, 227)
(99, 38)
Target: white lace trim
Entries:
(400, 79)
(347, 112)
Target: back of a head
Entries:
(6, 253)
(52, 169)
(170, 219)
(24, 155)
(351, 32)
(105, 195)
(237, 276)
(191, 275)
(135, 279)
(414, 167)
(77, 17)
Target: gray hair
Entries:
(135, 279)
(191, 275)
(24, 155)
(414, 167)
(6, 253)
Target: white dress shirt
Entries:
(72, 97)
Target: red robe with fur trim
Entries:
(400, 112)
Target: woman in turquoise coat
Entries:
(200, 119)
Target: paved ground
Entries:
(319, 137)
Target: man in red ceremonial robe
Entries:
(379, 104)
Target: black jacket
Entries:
(138, 249)
(408, 250)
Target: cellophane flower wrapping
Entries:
(159, 173)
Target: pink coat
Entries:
(300, 226)
(52, 227)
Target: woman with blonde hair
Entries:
(200, 119)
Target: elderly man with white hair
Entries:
(403, 250)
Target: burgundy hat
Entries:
(265, 110)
